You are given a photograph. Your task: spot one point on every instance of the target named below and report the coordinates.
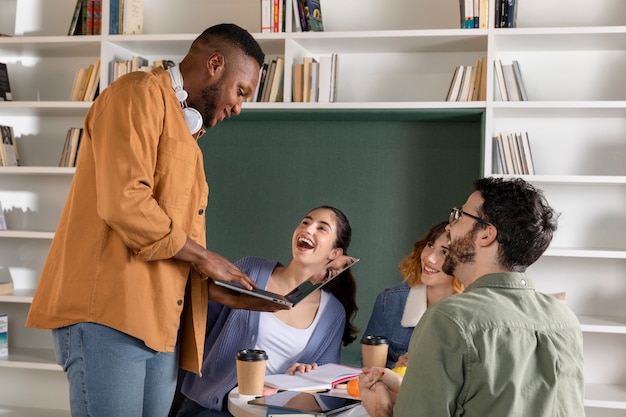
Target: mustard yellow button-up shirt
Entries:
(139, 190)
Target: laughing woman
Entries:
(296, 340)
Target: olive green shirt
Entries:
(498, 349)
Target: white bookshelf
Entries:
(576, 120)
(397, 54)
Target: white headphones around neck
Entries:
(193, 118)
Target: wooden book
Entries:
(477, 78)
(94, 80)
(455, 84)
(276, 92)
(530, 164)
(9, 153)
(78, 86)
(308, 62)
(482, 90)
(297, 83)
(7, 286)
(66, 149)
(132, 21)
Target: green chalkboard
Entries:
(392, 173)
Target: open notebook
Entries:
(325, 377)
(293, 297)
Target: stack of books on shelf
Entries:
(6, 287)
(474, 14)
(272, 16)
(510, 81)
(513, 154)
(271, 82)
(315, 80)
(5, 85)
(307, 16)
(469, 82)
(505, 14)
(86, 82)
(126, 17)
(117, 68)
(87, 18)
(9, 155)
(69, 154)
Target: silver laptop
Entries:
(306, 288)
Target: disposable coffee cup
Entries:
(251, 365)
(374, 351)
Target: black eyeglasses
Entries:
(456, 213)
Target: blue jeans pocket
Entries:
(61, 338)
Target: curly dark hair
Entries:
(522, 216)
(343, 287)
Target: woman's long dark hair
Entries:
(343, 287)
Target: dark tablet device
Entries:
(314, 283)
(306, 402)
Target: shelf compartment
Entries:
(23, 358)
(49, 47)
(603, 324)
(593, 287)
(560, 39)
(605, 396)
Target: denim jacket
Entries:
(385, 321)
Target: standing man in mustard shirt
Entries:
(125, 286)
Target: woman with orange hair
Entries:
(398, 308)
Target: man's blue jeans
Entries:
(112, 374)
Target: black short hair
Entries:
(234, 35)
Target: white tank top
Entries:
(283, 343)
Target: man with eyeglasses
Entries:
(500, 348)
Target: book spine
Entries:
(276, 12)
(500, 78)
(469, 14)
(483, 14)
(5, 85)
(510, 21)
(496, 14)
(266, 15)
(314, 15)
(520, 81)
(114, 17)
(476, 15)
(97, 17)
(133, 17)
(303, 19)
(4, 335)
(88, 18)
(75, 18)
